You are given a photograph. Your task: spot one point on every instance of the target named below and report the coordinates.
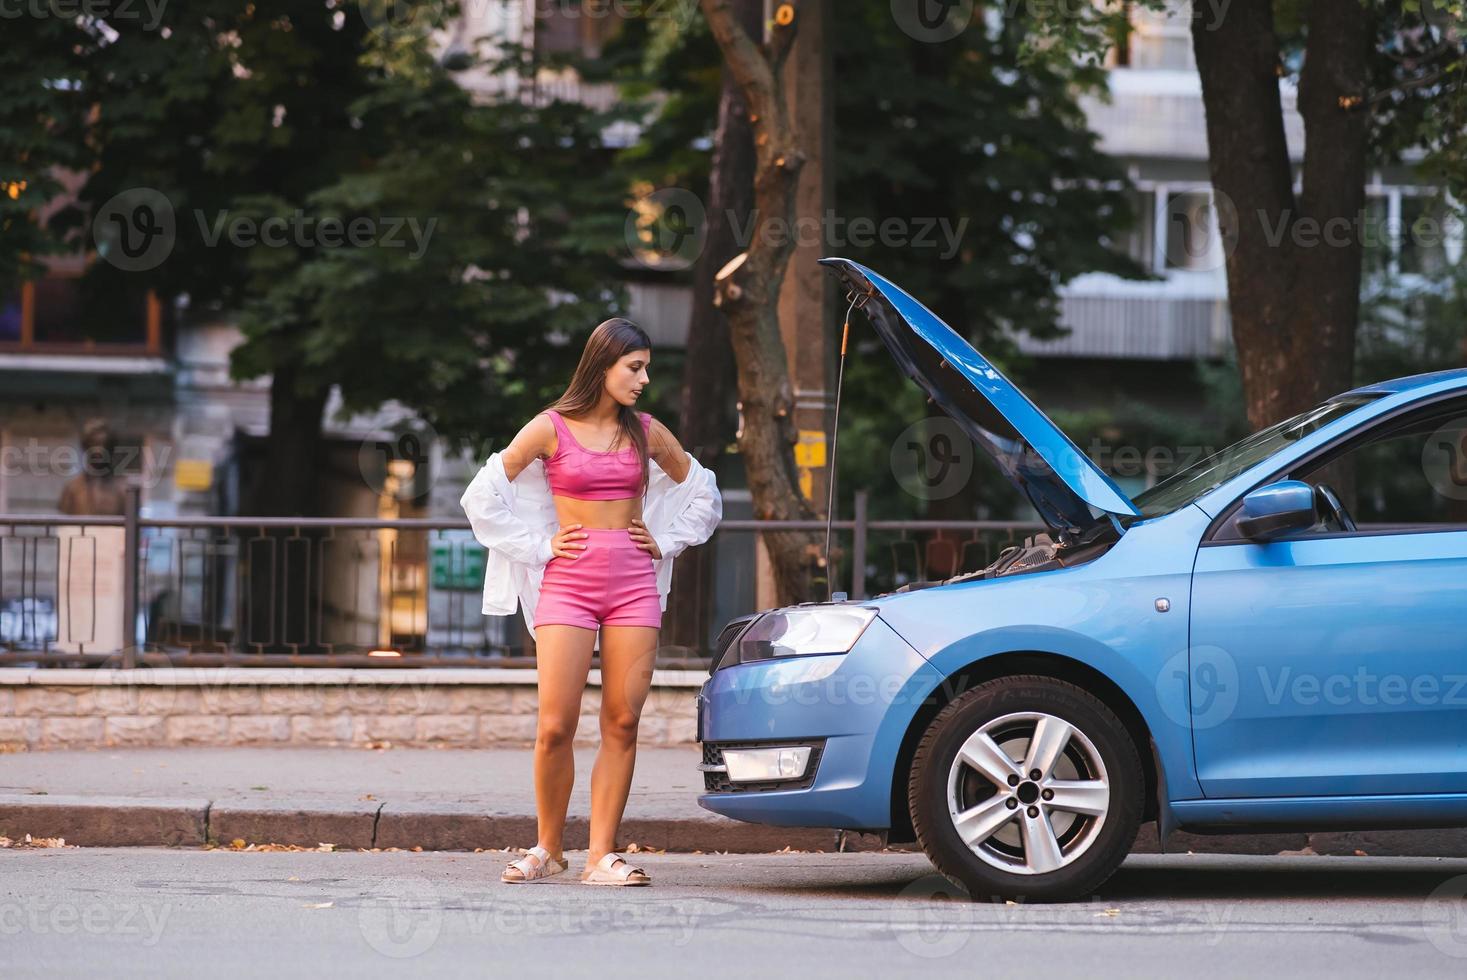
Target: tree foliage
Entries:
(366, 220)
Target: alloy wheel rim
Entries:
(1028, 793)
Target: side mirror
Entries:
(1277, 509)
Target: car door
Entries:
(1334, 663)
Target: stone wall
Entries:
(43, 709)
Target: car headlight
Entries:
(801, 632)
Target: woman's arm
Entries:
(668, 453)
(535, 441)
(491, 513)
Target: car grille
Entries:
(724, 644)
(718, 782)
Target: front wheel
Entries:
(1027, 787)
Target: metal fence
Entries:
(329, 592)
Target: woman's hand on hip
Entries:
(642, 538)
(564, 542)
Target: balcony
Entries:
(64, 323)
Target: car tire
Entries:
(1053, 838)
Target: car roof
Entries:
(1454, 378)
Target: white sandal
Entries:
(536, 865)
(613, 869)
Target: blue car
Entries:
(1270, 639)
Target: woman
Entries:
(582, 514)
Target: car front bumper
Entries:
(852, 709)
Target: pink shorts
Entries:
(613, 583)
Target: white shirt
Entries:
(515, 520)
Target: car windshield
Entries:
(1185, 486)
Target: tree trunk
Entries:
(1293, 267)
(749, 296)
(709, 381)
(288, 485)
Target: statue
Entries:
(98, 489)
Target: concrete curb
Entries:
(101, 821)
(105, 821)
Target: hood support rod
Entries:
(840, 375)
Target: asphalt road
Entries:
(189, 913)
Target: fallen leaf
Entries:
(1360, 854)
(1108, 913)
(292, 878)
(326, 847)
(238, 843)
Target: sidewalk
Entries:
(450, 799)
(436, 799)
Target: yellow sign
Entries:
(193, 474)
(810, 449)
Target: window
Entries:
(1206, 475)
(1405, 474)
(64, 312)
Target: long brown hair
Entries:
(611, 340)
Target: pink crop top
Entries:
(575, 471)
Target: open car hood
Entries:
(1063, 484)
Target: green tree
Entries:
(42, 114)
(967, 132)
(486, 230)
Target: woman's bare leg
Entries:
(563, 660)
(627, 656)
